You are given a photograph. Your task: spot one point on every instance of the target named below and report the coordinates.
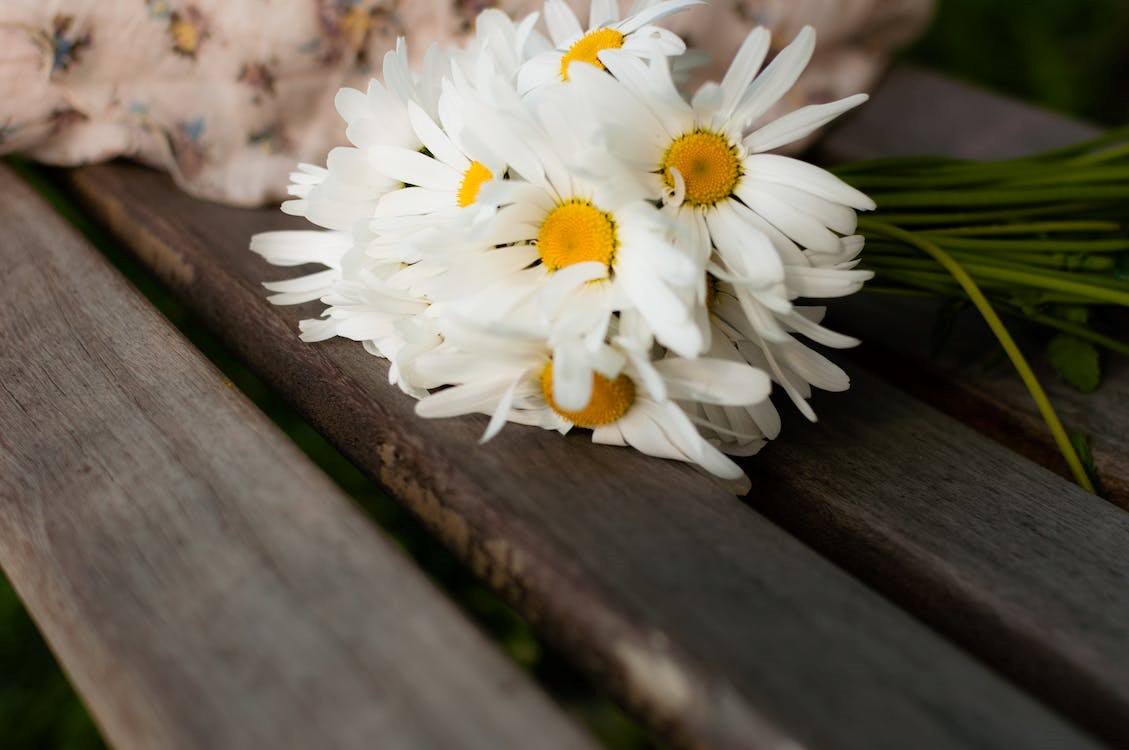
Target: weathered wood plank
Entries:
(918, 112)
(709, 621)
(202, 583)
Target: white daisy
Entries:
(770, 223)
(347, 190)
(563, 247)
(702, 162)
(438, 181)
(635, 35)
(514, 376)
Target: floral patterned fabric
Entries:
(228, 95)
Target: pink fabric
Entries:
(228, 95)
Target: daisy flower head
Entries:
(512, 375)
(438, 180)
(596, 247)
(635, 34)
(774, 228)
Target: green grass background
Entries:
(1068, 55)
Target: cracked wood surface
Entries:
(202, 583)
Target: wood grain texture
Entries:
(202, 583)
(917, 112)
(712, 623)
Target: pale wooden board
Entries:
(712, 623)
(917, 112)
(201, 582)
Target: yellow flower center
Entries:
(708, 164)
(610, 399)
(587, 47)
(574, 232)
(476, 174)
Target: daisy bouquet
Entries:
(547, 230)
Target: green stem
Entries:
(1026, 245)
(1001, 196)
(1072, 176)
(1075, 329)
(1092, 289)
(1002, 334)
(974, 217)
(1097, 157)
(1031, 227)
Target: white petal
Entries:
(435, 140)
(538, 71)
(302, 289)
(743, 68)
(799, 174)
(798, 225)
(413, 201)
(609, 434)
(654, 87)
(413, 168)
(297, 247)
(655, 12)
(463, 399)
(800, 124)
(825, 282)
(572, 377)
(814, 367)
(678, 428)
(796, 391)
(352, 105)
(715, 381)
(747, 252)
(653, 41)
(642, 432)
(501, 412)
(777, 78)
(602, 13)
(564, 26)
(564, 281)
(817, 333)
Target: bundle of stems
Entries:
(1042, 238)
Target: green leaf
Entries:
(1082, 447)
(1076, 361)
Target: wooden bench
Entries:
(902, 575)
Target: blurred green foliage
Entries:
(38, 709)
(1068, 55)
